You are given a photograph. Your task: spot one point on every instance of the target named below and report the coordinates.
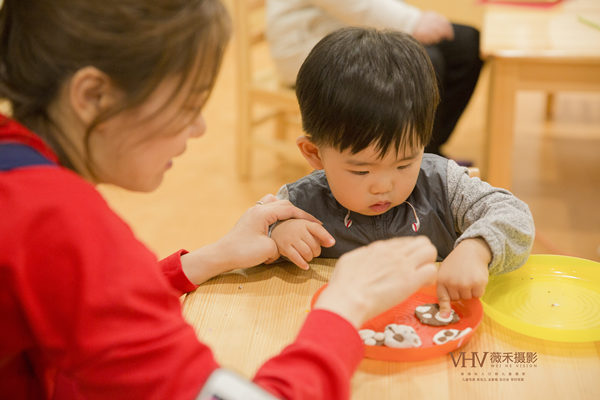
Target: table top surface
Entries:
(569, 29)
(248, 316)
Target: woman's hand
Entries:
(246, 244)
(374, 278)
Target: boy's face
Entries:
(368, 184)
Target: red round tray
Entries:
(469, 311)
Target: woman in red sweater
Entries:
(110, 92)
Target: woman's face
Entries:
(136, 147)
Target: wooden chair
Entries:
(261, 98)
(549, 106)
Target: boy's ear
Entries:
(90, 92)
(310, 151)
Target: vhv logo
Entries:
(463, 359)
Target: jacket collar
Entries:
(13, 132)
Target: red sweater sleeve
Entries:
(320, 362)
(171, 268)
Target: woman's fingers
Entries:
(417, 251)
(397, 268)
(425, 275)
(281, 210)
(268, 198)
(421, 250)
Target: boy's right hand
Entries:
(432, 28)
(300, 240)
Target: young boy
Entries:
(368, 100)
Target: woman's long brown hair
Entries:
(137, 43)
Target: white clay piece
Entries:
(394, 335)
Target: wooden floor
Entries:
(557, 169)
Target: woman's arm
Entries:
(246, 245)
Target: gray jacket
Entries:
(446, 205)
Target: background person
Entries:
(295, 26)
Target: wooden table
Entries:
(249, 316)
(527, 48)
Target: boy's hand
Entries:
(432, 28)
(300, 240)
(463, 274)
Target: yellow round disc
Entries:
(550, 297)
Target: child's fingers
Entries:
(303, 249)
(453, 293)
(295, 257)
(320, 233)
(443, 301)
(312, 243)
(465, 293)
(478, 291)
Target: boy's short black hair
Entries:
(361, 86)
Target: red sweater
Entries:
(87, 312)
